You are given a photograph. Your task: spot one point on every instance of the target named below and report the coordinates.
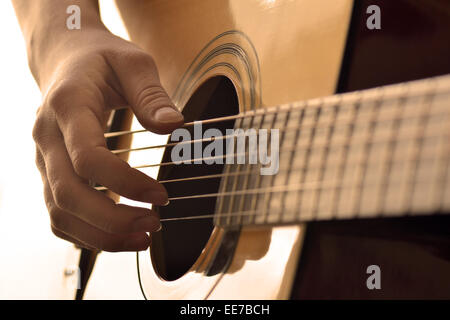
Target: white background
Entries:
(31, 257)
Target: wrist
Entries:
(46, 53)
(47, 36)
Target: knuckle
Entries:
(63, 196)
(38, 129)
(57, 220)
(55, 231)
(60, 98)
(60, 94)
(141, 58)
(39, 160)
(81, 161)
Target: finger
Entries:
(88, 204)
(74, 230)
(68, 238)
(138, 77)
(40, 164)
(91, 159)
(95, 239)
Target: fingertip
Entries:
(137, 242)
(158, 197)
(168, 115)
(164, 119)
(147, 224)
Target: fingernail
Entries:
(168, 115)
(148, 224)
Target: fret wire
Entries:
(367, 147)
(271, 151)
(391, 146)
(224, 156)
(229, 168)
(445, 176)
(343, 161)
(425, 114)
(322, 168)
(267, 198)
(444, 169)
(442, 159)
(319, 185)
(310, 185)
(236, 168)
(327, 125)
(253, 203)
(444, 89)
(237, 178)
(289, 170)
(246, 175)
(441, 175)
(376, 114)
(304, 171)
(293, 148)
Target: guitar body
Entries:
(219, 58)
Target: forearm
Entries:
(47, 37)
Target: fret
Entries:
(294, 116)
(358, 137)
(329, 113)
(425, 174)
(440, 149)
(442, 190)
(309, 118)
(254, 178)
(416, 153)
(403, 162)
(267, 181)
(379, 157)
(237, 167)
(275, 200)
(295, 168)
(340, 155)
(397, 110)
(360, 191)
(223, 206)
(379, 152)
(243, 179)
(257, 184)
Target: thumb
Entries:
(138, 77)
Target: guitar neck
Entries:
(378, 152)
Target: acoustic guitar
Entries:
(363, 181)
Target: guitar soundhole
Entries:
(176, 248)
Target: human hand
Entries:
(90, 75)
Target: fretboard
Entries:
(375, 153)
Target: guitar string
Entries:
(318, 185)
(208, 176)
(331, 184)
(296, 147)
(316, 103)
(293, 148)
(276, 188)
(313, 103)
(271, 189)
(321, 126)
